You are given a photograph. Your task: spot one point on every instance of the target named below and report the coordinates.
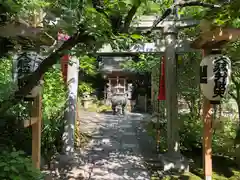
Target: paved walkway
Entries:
(114, 152)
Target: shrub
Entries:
(191, 132)
(51, 142)
(85, 87)
(15, 165)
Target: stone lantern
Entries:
(86, 100)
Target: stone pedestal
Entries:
(174, 161)
(86, 103)
(65, 167)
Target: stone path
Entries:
(114, 152)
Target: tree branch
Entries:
(182, 3)
(79, 37)
(34, 78)
(128, 19)
(99, 6)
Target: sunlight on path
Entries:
(113, 153)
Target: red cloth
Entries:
(161, 94)
(65, 58)
(64, 66)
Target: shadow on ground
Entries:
(112, 154)
(121, 149)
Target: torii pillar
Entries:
(209, 41)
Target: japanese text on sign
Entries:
(203, 74)
(220, 76)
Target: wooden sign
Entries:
(24, 64)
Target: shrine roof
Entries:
(215, 38)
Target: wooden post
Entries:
(36, 131)
(207, 139)
(209, 40)
(207, 131)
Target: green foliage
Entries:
(14, 165)
(144, 64)
(23, 8)
(6, 82)
(96, 23)
(223, 136)
(188, 80)
(13, 134)
(191, 134)
(85, 87)
(191, 144)
(54, 100)
(225, 15)
(52, 132)
(88, 65)
(54, 93)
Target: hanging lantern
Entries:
(24, 64)
(215, 73)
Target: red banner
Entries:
(64, 67)
(161, 94)
(64, 60)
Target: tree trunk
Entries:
(237, 138)
(33, 79)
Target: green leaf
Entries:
(6, 168)
(136, 36)
(2, 164)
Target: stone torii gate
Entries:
(170, 46)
